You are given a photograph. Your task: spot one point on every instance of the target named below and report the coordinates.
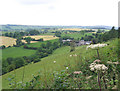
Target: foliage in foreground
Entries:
(86, 79)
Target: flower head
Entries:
(70, 55)
(98, 67)
(96, 46)
(97, 60)
(67, 68)
(54, 61)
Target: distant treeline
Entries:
(20, 34)
(102, 37)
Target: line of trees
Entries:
(98, 37)
(44, 50)
(20, 34)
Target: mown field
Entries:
(45, 37)
(7, 41)
(63, 59)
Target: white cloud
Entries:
(32, 2)
(59, 12)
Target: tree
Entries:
(19, 62)
(34, 32)
(28, 39)
(58, 34)
(3, 47)
(19, 42)
(72, 45)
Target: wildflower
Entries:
(77, 72)
(113, 62)
(88, 77)
(98, 67)
(97, 60)
(96, 46)
(70, 55)
(67, 68)
(54, 61)
(75, 55)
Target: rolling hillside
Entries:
(63, 59)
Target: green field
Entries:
(76, 35)
(37, 44)
(63, 59)
(16, 52)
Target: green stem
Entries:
(98, 53)
(99, 81)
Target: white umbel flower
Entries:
(70, 55)
(67, 68)
(96, 46)
(54, 61)
(98, 67)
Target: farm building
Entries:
(82, 42)
(68, 40)
(78, 43)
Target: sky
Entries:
(59, 12)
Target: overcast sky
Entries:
(59, 12)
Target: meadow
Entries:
(46, 66)
(75, 35)
(37, 44)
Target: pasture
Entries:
(76, 35)
(37, 44)
(16, 52)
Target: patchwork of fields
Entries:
(7, 41)
(62, 58)
(45, 37)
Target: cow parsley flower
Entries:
(96, 46)
(98, 67)
(67, 68)
(54, 61)
(70, 55)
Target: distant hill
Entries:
(11, 27)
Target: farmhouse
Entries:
(82, 42)
(68, 40)
(78, 43)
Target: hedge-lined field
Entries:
(16, 52)
(63, 59)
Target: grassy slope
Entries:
(20, 51)
(16, 52)
(62, 58)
